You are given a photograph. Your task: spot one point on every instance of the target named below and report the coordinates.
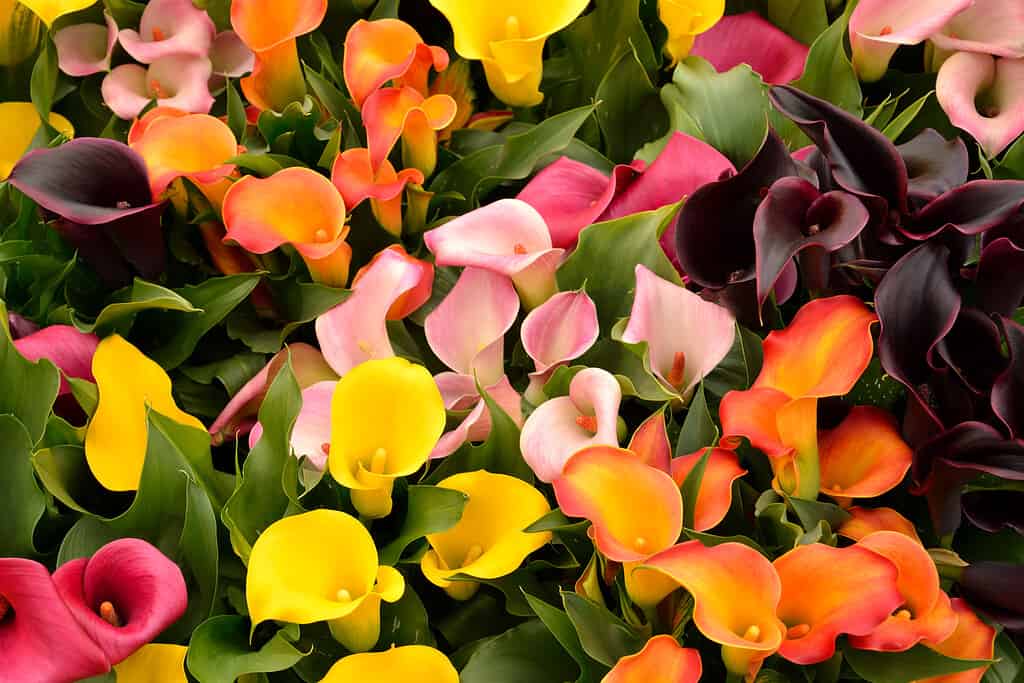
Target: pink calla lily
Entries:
(230, 56)
(878, 27)
(686, 336)
(311, 435)
(969, 80)
(179, 81)
(39, 637)
(123, 596)
(588, 416)
(67, 348)
(562, 328)
(459, 393)
(748, 39)
(508, 237)
(85, 49)
(169, 28)
(993, 27)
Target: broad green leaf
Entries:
(631, 113)
(405, 622)
(527, 653)
(429, 510)
(232, 372)
(1008, 666)
(27, 389)
(44, 80)
(691, 489)
(630, 365)
(219, 650)
(598, 40)
(129, 302)
(237, 120)
(740, 368)
(777, 531)
(712, 540)
(917, 663)
(829, 73)
(802, 19)
(65, 473)
(812, 512)
(22, 504)
(297, 302)
(604, 636)
(699, 429)
(561, 627)
(899, 124)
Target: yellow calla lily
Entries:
(508, 37)
(686, 19)
(128, 382)
(51, 10)
(20, 32)
(154, 662)
(386, 417)
(20, 123)
(489, 541)
(408, 663)
(321, 566)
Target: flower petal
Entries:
(562, 328)
(477, 425)
(754, 414)
(390, 112)
(169, 27)
(181, 81)
(972, 639)
(749, 39)
(383, 50)
(195, 146)
(409, 662)
(988, 26)
(126, 90)
(715, 494)
(21, 122)
(864, 521)
(967, 80)
(354, 176)
(419, 280)
(864, 456)
(157, 660)
(50, 10)
(70, 350)
(229, 56)
(85, 49)
(662, 660)
(264, 24)
(650, 442)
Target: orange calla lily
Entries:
(864, 456)
(408, 663)
(864, 521)
(296, 206)
(925, 613)
(354, 175)
(736, 592)
(393, 113)
(412, 298)
(457, 81)
(650, 442)
(388, 50)
(830, 591)
(715, 494)
(972, 639)
(663, 660)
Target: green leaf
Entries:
(27, 389)
(802, 19)
(22, 503)
(691, 488)
(405, 622)
(740, 368)
(603, 635)
(129, 302)
(899, 124)
(232, 372)
(604, 263)
(65, 473)
(631, 366)
(429, 510)
(917, 663)
(297, 302)
(474, 176)
(219, 650)
(699, 429)
(44, 80)
(527, 653)
(777, 530)
(813, 512)
(599, 39)
(1008, 665)
(237, 120)
(829, 73)
(259, 498)
(125, 12)
(631, 112)
(561, 627)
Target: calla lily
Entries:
(407, 663)
(748, 39)
(354, 175)
(238, 417)
(393, 113)
(193, 146)
(85, 49)
(878, 27)
(488, 542)
(736, 591)
(179, 81)
(562, 328)
(508, 37)
(457, 82)
(20, 32)
(686, 19)
(129, 383)
(100, 191)
(925, 613)
(388, 50)
(311, 434)
(650, 442)
(979, 95)
(386, 417)
(312, 220)
(588, 416)
(229, 56)
(715, 494)
(21, 122)
(662, 660)
(270, 28)
(159, 661)
(321, 566)
(35, 623)
(169, 27)
(864, 521)
(51, 10)
(508, 237)
(390, 287)
(140, 125)
(67, 348)
(123, 596)
(972, 639)
(830, 591)
(460, 394)
(864, 456)
(686, 336)
(987, 26)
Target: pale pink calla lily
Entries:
(562, 328)
(169, 28)
(748, 39)
(230, 56)
(179, 81)
(969, 80)
(588, 416)
(355, 330)
(311, 435)
(878, 27)
(67, 348)
(686, 336)
(994, 27)
(85, 49)
(508, 237)
(460, 393)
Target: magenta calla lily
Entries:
(749, 39)
(508, 237)
(123, 596)
(169, 28)
(311, 435)
(588, 416)
(562, 328)
(878, 27)
(686, 336)
(39, 637)
(993, 27)
(178, 81)
(85, 49)
(981, 94)
(67, 348)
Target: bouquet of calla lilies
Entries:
(606, 341)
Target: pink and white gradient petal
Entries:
(967, 78)
(169, 28)
(85, 49)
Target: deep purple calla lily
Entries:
(20, 326)
(125, 595)
(70, 350)
(934, 164)
(749, 39)
(1008, 389)
(1000, 286)
(993, 510)
(997, 589)
(39, 638)
(99, 191)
